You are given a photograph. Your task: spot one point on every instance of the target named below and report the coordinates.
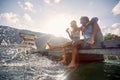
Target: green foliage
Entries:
(110, 36)
(112, 58)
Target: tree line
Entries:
(111, 36)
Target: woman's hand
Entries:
(67, 30)
(70, 35)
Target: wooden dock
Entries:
(110, 47)
(109, 51)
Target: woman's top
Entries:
(76, 36)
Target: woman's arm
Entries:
(69, 34)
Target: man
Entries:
(93, 37)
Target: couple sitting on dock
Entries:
(92, 37)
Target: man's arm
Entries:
(94, 32)
(95, 29)
(92, 21)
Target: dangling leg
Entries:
(64, 56)
(74, 54)
(59, 46)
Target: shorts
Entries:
(98, 41)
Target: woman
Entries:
(74, 35)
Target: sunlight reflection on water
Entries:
(24, 66)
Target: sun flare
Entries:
(57, 25)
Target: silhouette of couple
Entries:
(92, 37)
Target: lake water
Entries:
(20, 65)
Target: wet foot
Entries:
(72, 65)
(49, 46)
(63, 61)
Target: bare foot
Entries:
(71, 65)
(63, 61)
(50, 46)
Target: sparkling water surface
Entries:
(18, 64)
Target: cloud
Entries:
(47, 1)
(114, 29)
(9, 17)
(116, 9)
(20, 4)
(27, 17)
(52, 1)
(57, 1)
(14, 20)
(116, 25)
(28, 6)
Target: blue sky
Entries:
(54, 16)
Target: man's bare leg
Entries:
(63, 46)
(73, 61)
(74, 54)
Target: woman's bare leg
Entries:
(74, 54)
(60, 46)
(63, 56)
(63, 46)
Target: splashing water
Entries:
(19, 64)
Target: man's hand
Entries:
(91, 40)
(82, 29)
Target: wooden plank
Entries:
(111, 44)
(101, 51)
(27, 36)
(92, 51)
(109, 47)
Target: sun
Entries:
(57, 25)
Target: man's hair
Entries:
(84, 18)
(95, 19)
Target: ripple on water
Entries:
(23, 66)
